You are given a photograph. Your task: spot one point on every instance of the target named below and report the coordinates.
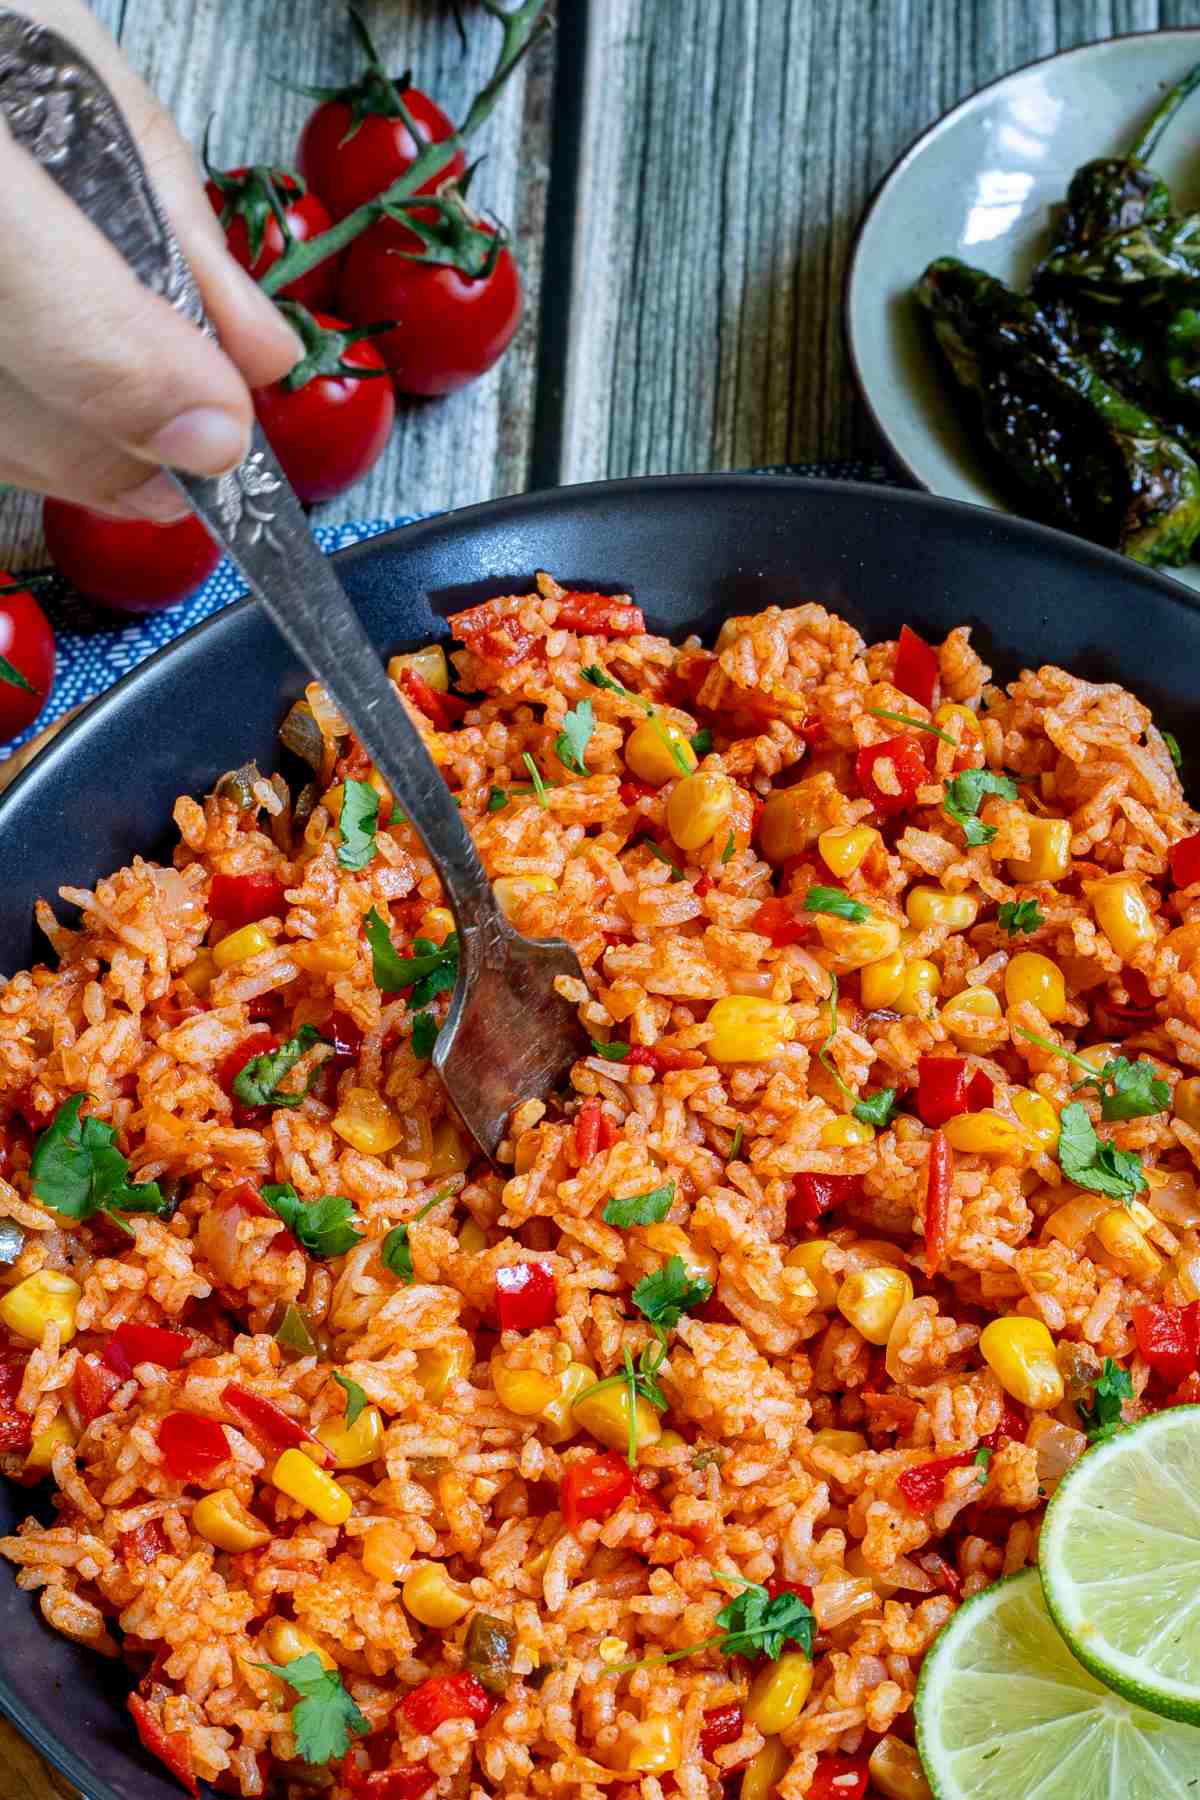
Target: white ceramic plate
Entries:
(980, 185)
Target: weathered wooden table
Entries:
(682, 178)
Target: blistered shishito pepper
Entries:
(1090, 459)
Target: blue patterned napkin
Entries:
(97, 648)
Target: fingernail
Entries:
(205, 441)
(157, 499)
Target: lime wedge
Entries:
(1120, 1562)
(1004, 1712)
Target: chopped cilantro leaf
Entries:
(257, 1084)
(77, 1170)
(964, 795)
(358, 821)
(1173, 750)
(983, 1458)
(396, 1252)
(535, 775)
(640, 1209)
(611, 1052)
(424, 1034)
(324, 1227)
(356, 1399)
(598, 678)
(701, 741)
(1105, 1416)
(730, 847)
(1127, 1090)
(876, 1109)
(433, 969)
(666, 1293)
(656, 851)
(325, 1715)
(1097, 1166)
(735, 1147)
(1019, 915)
(497, 799)
(837, 902)
(755, 1623)
(571, 742)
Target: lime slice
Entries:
(1004, 1712)
(1120, 1562)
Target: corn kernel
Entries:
(297, 1476)
(896, 1771)
(451, 1151)
(200, 971)
(525, 1392)
(671, 1440)
(437, 924)
(928, 906)
(654, 1746)
(1121, 913)
(606, 1415)
(987, 1133)
(846, 1443)
(386, 1548)
(429, 663)
(657, 751)
(41, 1451)
(919, 987)
(1127, 1245)
(1038, 1117)
(46, 1298)
(512, 891)
(354, 1445)
(963, 1015)
(435, 1368)
(1020, 1354)
(1031, 977)
(698, 807)
(284, 1641)
(366, 1122)
(845, 847)
(747, 1029)
(1049, 852)
(869, 1299)
(671, 1240)
(846, 1132)
(240, 946)
(810, 1256)
(221, 1519)
(433, 1599)
(880, 982)
(325, 956)
(375, 780)
(559, 1423)
(612, 1650)
(855, 946)
(332, 800)
(1186, 1103)
(1096, 1055)
(472, 1238)
(790, 822)
(778, 1693)
(961, 723)
(765, 1771)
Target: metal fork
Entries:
(508, 1036)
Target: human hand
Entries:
(101, 381)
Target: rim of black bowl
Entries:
(521, 509)
(876, 199)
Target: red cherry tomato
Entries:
(131, 565)
(450, 327)
(442, 1697)
(349, 153)
(241, 199)
(330, 425)
(27, 647)
(244, 899)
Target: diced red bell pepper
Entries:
(723, 1725)
(346, 1038)
(192, 1445)
(403, 1781)
(443, 1697)
(916, 672)
(942, 1093)
(526, 1296)
(244, 899)
(1139, 1010)
(174, 1748)
(248, 1200)
(937, 1200)
(1012, 1427)
(600, 614)
(839, 1778)
(778, 920)
(1185, 861)
(775, 1587)
(704, 886)
(813, 1196)
(981, 1091)
(493, 634)
(14, 1424)
(442, 710)
(906, 754)
(144, 1544)
(813, 731)
(630, 792)
(923, 1486)
(269, 1421)
(1187, 1393)
(1169, 1339)
(593, 1488)
(94, 1384)
(131, 1344)
(943, 1572)
(662, 1057)
(594, 1131)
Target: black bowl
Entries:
(691, 550)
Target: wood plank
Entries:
(213, 57)
(726, 155)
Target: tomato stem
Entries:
(522, 26)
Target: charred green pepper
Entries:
(489, 1651)
(1090, 459)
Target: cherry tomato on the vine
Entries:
(329, 418)
(245, 201)
(356, 142)
(450, 327)
(26, 658)
(132, 565)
